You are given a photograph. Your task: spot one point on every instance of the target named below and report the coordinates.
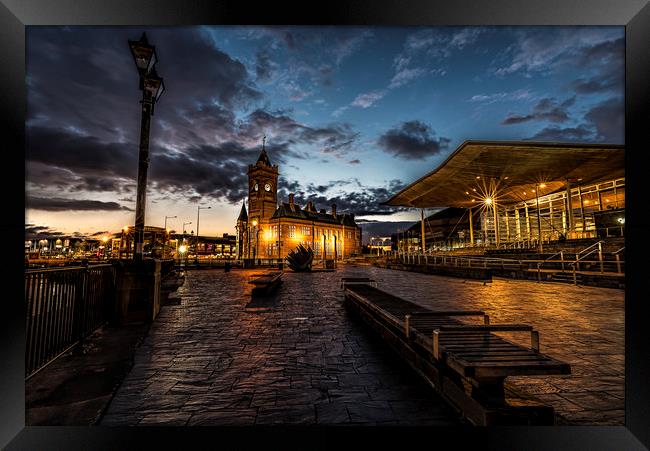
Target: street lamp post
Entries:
(166, 235)
(152, 87)
(198, 211)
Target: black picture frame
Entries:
(15, 15)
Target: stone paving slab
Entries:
(583, 326)
(220, 359)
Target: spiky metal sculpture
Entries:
(300, 259)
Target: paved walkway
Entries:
(217, 359)
(301, 358)
(583, 326)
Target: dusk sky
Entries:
(351, 114)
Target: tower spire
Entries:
(243, 216)
(264, 158)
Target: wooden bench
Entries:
(459, 354)
(266, 282)
(356, 280)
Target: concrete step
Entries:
(565, 277)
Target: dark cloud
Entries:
(216, 172)
(65, 160)
(363, 201)
(263, 68)
(605, 81)
(36, 232)
(332, 138)
(602, 53)
(547, 109)
(605, 122)
(608, 118)
(355, 161)
(561, 134)
(61, 204)
(86, 75)
(412, 140)
(74, 162)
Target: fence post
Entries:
(618, 264)
(575, 282)
(539, 275)
(78, 308)
(562, 260)
(407, 325)
(577, 265)
(600, 256)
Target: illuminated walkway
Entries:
(216, 359)
(583, 326)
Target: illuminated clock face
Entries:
(267, 187)
(255, 187)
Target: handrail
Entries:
(65, 268)
(589, 247)
(586, 255)
(621, 249)
(557, 253)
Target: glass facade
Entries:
(551, 217)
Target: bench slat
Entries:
(472, 350)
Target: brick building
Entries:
(270, 229)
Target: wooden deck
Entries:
(466, 363)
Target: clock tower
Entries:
(262, 188)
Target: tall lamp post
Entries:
(198, 211)
(152, 87)
(166, 235)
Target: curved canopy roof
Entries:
(509, 171)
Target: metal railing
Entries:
(549, 263)
(64, 305)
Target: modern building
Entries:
(155, 238)
(448, 228)
(160, 243)
(269, 229)
(222, 247)
(516, 192)
(380, 244)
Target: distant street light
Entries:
(152, 87)
(182, 249)
(198, 211)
